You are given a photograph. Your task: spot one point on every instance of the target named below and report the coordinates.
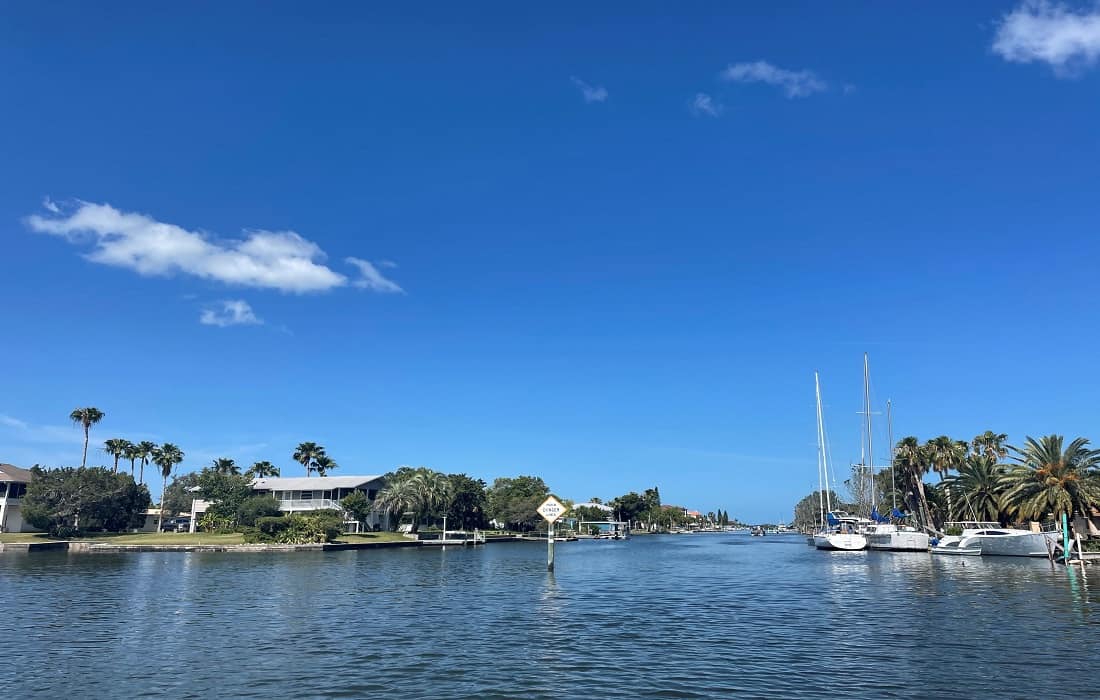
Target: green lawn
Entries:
(21, 537)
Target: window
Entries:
(307, 495)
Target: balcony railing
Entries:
(309, 504)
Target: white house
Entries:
(303, 494)
(13, 484)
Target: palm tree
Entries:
(420, 493)
(911, 464)
(86, 417)
(145, 451)
(306, 454)
(262, 470)
(992, 444)
(116, 447)
(132, 454)
(167, 456)
(945, 455)
(979, 484)
(224, 465)
(324, 464)
(1050, 479)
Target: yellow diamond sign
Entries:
(551, 509)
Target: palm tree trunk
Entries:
(84, 459)
(115, 470)
(141, 476)
(131, 469)
(160, 516)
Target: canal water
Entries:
(688, 616)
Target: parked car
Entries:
(176, 525)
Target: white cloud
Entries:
(591, 93)
(371, 278)
(704, 104)
(1051, 33)
(801, 83)
(49, 205)
(281, 260)
(230, 312)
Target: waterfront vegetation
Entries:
(97, 501)
(983, 479)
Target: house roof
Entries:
(10, 472)
(311, 483)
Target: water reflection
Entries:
(713, 616)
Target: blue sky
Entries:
(608, 246)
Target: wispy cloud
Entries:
(371, 278)
(802, 83)
(281, 260)
(591, 93)
(704, 105)
(1051, 33)
(229, 312)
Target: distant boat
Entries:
(757, 531)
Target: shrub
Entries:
(256, 507)
(296, 528)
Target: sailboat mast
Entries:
(890, 437)
(867, 413)
(824, 500)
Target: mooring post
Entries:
(550, 548)
(1065, 539)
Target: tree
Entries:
(145, 451)
(224, 465)
(324, 464)
(116, 447)
(991, 444)
(946, 455)
(466, 506)
(978, 482)
(254, 507)
(262, 470)
(179, 494)
(807, 512)
(167, 456)
(420, 491)
(131, 453)
(1050, 479)
(910, 465)
(86, 417)
(306, 454)
(513, 501)
(628, 507)
(67, 500)
(358, 505)
(225, 493)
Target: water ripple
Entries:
(659, 617)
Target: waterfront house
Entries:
(13, 485)
(305, 494)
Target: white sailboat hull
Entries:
(899, 541)
(848, 542)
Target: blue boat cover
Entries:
(898, 514)
(831, 519)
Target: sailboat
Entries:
(838, 530)
(882, 534)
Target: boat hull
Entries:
(899, 541)
(840, 541)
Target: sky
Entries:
(606, 245)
